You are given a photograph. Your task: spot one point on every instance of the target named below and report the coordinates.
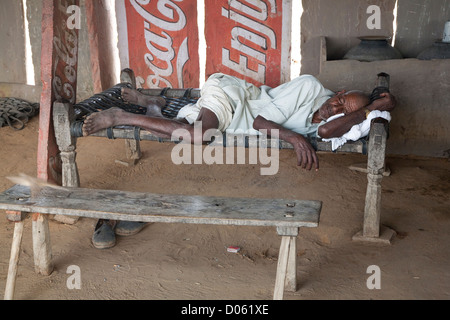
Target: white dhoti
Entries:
(212, 98)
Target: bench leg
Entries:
(286, 277)
(291, 276)
(41, 245)
(14, 261)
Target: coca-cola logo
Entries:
(158, 26)
(65, 43)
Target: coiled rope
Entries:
(16, 112)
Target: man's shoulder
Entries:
(308, 77)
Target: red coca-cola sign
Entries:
(245, 39)
(162, 42)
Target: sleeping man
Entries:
(290, 112)
(296, 108)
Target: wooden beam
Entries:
(100, 42)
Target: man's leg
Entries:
(154, 104)
(104, 233)
(152, 121)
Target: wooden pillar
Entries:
(59, 60)
(101, 44)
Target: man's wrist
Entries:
(290, 136)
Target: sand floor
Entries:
(191, 262)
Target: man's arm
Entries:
(306, 155)
(342, 125)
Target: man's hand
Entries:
(306, 155)
(387, 102)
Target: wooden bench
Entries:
(286, 215)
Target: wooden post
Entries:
(16, 217)
(63, 116)
(286, 277)
(59, 61)
(101, 44)
(375, 168)
(372, 230)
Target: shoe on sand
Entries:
(104, 237)
(129, 228)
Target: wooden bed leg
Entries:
(41, 244)
(287, 262)
(133, 149)
(132, 146)
(15, 254)
(375, 167)
(63, 116)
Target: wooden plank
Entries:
(149, 207)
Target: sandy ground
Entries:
(177, 261)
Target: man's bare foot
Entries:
(102, 120)
(136, 97)
(152, 103)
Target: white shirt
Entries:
(237, 103)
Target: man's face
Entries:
(343, 102)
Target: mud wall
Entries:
(420, 122)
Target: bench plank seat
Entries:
(149, 207)
(286, 215)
